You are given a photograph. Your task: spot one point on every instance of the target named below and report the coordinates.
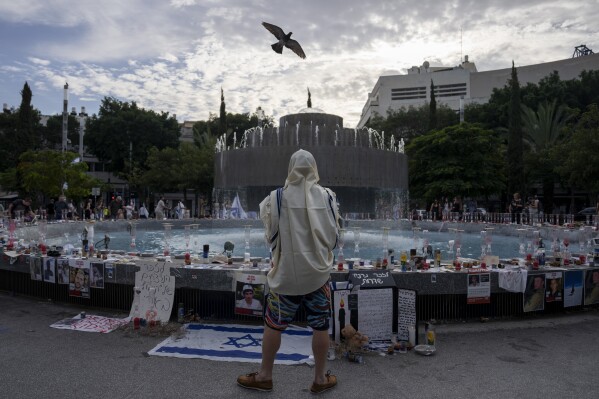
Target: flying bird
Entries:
(284, 40)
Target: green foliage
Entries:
(515, 165)
(432, 119)
(180, 169)
(580, 93)
(8, 133)
(542, 128)
(222, 121)
(43, 173)
(463, 159)
(52, 133)
(120, 124)
(20, 131)
(580, 163)
(412, 122)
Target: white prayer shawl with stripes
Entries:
(301, 223)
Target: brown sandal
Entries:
(249, 381)
(330, 384)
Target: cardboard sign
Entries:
(154, 292)
(406, 304)
(372, 278)
(375, 313)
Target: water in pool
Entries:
(370, 242)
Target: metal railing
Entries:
(507, 218)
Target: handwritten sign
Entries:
(372, 278)
(154, 292)
(406, 305)
(375, 313)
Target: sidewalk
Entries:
(536, 358)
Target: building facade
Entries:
(460, 83)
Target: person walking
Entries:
(301, 223)
(516, 207)
(160, 207)
(115, 205)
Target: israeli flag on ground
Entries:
(236, 343)
(237, 211)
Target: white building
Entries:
(463, 81)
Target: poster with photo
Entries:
(534, 295)
(479, 288)
(554, 291)
(573, 288)
(35, 267)
(341, 313)
(49, 270)
(109, 272)
(250, 294)
(97, 275)
(591, 287)
(79, 278)
(62, 271)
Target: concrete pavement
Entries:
(536, 357)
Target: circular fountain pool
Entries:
(507, 241)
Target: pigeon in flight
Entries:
(284, 40)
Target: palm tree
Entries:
(542, 130)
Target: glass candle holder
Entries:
(340, 244)
(356, 231)
(167, 238)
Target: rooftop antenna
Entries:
(581, 50)
(461, 45)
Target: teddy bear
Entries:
(354, 340)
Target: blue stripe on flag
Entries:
(244, 330)
(229, 354)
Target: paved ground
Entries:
(533, 358)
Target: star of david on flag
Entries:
(236, 343)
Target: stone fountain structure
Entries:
(368, 172)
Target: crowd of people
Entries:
(61, 208)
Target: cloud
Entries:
(39, 61)
(174, 56)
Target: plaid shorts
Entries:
(281, 309)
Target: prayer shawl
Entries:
(301, 223)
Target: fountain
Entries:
(351, 162)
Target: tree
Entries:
(8, 134)
(309, 99)
(122, 131)
(515, 165)
(26, 123)
(581, 92)
(580, 163)
(411, 122)
(44, 174)
(169, 169)
(20, 131)
(467, 161)
(52, 133)
(542, 131)
(222, 122)
(432, 118)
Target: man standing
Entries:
(21, 205)
(115, 205)
(160, 207)
(301, 224)
(60, 208)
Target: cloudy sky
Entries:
(175, 55)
